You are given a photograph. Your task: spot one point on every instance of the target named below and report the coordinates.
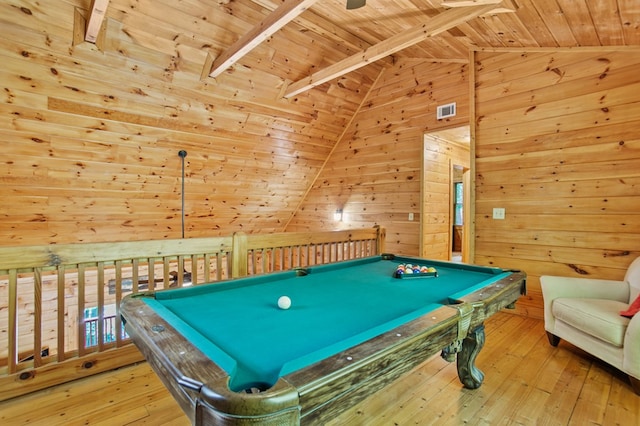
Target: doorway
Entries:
(446, 195)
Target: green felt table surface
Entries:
(239, 325)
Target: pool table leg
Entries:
(470, 376)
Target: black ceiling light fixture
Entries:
(355, 4)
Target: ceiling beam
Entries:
(467, 3)
(96, 17)
(439, 23)
(284, 14)
(507, 6)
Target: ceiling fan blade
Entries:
(355, 4)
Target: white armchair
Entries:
(586, 312)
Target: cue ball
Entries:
(284, 302)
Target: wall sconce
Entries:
(337, 216)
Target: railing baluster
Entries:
(13, 321)
(135, 275)
(219, 266)
(61, 356)
(151, 274)
(166, 272)
(100, 285)
(180, 271)
(207, 268)
(118, 284)
(194, 269)
(82, 330)
(37, 317)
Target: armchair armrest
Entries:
(586, 288)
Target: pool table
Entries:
(230, 355)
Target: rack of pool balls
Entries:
(407, 270)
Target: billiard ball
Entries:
(284, 302)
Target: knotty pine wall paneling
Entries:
(90, 134)
(557, 145)
(375, 172)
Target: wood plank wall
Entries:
(90, 134)
(375, 172)
(557, 145)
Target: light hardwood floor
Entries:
(527, 382)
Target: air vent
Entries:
(446, 111)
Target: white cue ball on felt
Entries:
(284, 302)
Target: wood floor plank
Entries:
(123, 416)
(122, 392)
(567, 390)
(107, 400)
(592, 402)
(427, 380)
(513, 383)
(623, 407)
(160, 412)
(527, 382)
(500, 358)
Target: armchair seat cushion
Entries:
(597, 317)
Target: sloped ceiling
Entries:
(331, 32)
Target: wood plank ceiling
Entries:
(388, 28)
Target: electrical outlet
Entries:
(410, 216)
(498, 213)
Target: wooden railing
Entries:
(59, 303)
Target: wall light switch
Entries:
(410, 216)
(498, 213)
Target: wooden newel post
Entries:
(239, 253)
(380, 238)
